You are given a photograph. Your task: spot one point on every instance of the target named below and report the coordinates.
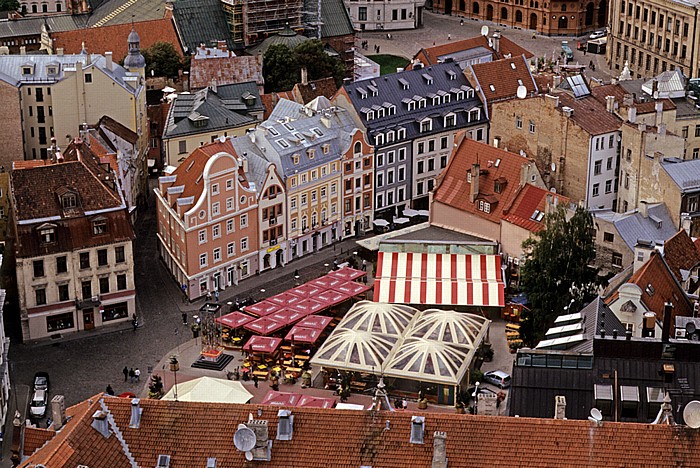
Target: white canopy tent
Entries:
(210, 390)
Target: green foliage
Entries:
(389, 63)
(9, 5)
(558, 270)
(476, 376)
(282, 66)
(162, 59)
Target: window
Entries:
(609, 164)
(217, 255)
(61, 264)
(102, 257)
(63, 293)
(202, 235)
(596, 189)
(402, 174)
(215, 189)
(608, 237)
(182, 147)
(431, 164)
(86, 288)
(229, 184)
(229, 204)
(419, 188)
(518, 122)
(333, 188)
(380, 179)
(119, 254)
(47, 235)
(84, 260)
(215, 209)
(443, 162)
(121, 282)
(532, 126)
(608, 186)
(231, 249)
(216, 231)
(421, 167)
(421, 148)
(244, 244)
(59, 322)
(617, 260)
(104, 285)
(380, 200)
(244, 221)
(426, 125)
(450, 120)
(362, 14)
(402, 154)
(38, 268)
(597, 167)
(203, 260)
(88, 77)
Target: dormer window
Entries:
(391, 110)
(381, 113)
(326, 148)
(470, 94)
(379, 138)
(27, 70)
(436, 100)
(446, 98)
(460, 95)
(484, 206)
(426, 125)
(474, 115)
(390, 136)
(69, 200)
(52, 70)
(452, 75)
(404, 83)
(428, 79)
(310, 153)
(99, 226)
(450, 120)
(273, 132)
(47, 234)
(422, 103)
(411, 105)
(400, 133)
(370, 115)
(295, 159)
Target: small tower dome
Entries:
(134, 59)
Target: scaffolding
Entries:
(251, 21)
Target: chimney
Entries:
(668, 317)
(560, 407)
(659, 107)
(497, 42)
(568, 111)
(610, 104)
(642, 127)
(304, 76)
(476, 170)
(627, 100)
(23, 50)
(556, 81)
(263, 446)
(632, 114)
(686, 223)
(221, 45)
(108, 60)
(552, 100)
(58, 411)
(439, 450)
(100, 423)
(525, 171)
(136, 411)
(214, 85)
(662, 129)
(59, 51)
(644, 209)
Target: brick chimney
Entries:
(560, 407)
(439, 450)
(668, 318)
(476, 170)
(221, 45)
(304, 76)
(108, 61)
(497, 42)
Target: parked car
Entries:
(41, 381)
(498, 378)
(38, 405)
(598, 34)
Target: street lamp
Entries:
(475, 395)
(174, 367)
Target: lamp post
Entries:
(174, 367)
(476, 397)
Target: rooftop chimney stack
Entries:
(108, 61)
(23, 50)
(100, 423)
(439, 450)
(476, 170)
(136, 410)
(632, 114)
(610, 103)
(560, 407)
(644, 209)
(668, 318)
(659, 107)
(304, 76)
(58, 411)
(686, 223)
(497, 42)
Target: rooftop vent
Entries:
(136, 411)
(417, 429)
(285, 425)
(100, 423)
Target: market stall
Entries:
(264, 325)
(231, 336)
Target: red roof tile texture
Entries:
(113, 38)
(454, 190)
(500, 79)
(590, 114)
(528, 199)
(35, 438)
(431, 55)
(680, 254)
(226, 70)
(600, 92)
(192, 432)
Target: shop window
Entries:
(115, 312)
(60, 322)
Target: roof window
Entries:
(285, 425)
(404, 83)
(512, 65)
(492, 88)
(417, 429)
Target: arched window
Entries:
(504, 13)
(518, 16)
(358, 147)
(563, 22)
(563, 7)
(475, 8)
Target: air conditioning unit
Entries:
(273, 221)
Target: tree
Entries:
(161, 59)
(557, 273)
(9, 5)
(282, 66)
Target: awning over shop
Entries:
(281, 398)
(309, 401)
(262, 344)
(303, 334)
(235, 319)
(318, 322)
(264, 325)
(442, 279)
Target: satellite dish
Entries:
(690, 328)
(691, 414)
(596, 414)
(249, 455)
(522, 92)
(484, 30)
(244, 439)
(554, 168)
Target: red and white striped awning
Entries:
(439, 279)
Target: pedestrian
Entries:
(404, 404)
(184, 293)
(364, 264)
(134, 322)
(377, 49)
(208, 296)
(584, 50)
(255, 380)
(449, 37)
(461, 22)
(184, 318)
(534, 35)
(125, 371)
(137, 374)
(216, 296)
(110, 390)
(132, 375)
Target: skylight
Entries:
(492, 88)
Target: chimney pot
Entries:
(136, 411)
(628, 335)
(602, 332)
(614, 333)
(439, 450)
(304, 76)
(560, 407)
(668, 314)
(476, 171)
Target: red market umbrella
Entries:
(319, 322)
(287, 316)
(235, 319)
(264, 325)
(331, 297)
(308, 401)
(284, 299)
(347, 274)
(303, 335)
(281, 398)
(310, 306)
(307, 290)
(262, 344)
(262, 308)
(327, 282)
(352, 289)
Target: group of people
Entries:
(134, 375)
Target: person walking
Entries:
(216, 296)
(184, 318)
(110, 390)
(132, 375)
(255, 380)
(125, 371)
(137, 374)
(364, 264)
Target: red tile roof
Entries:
(304, 94)
(269, 101)
(504, 76)
(35, 438)
(226, 70)
(431, 55)
(528, 199)
(113, 38)
(664, 288)
(454, 190)
(590, 114)
(191, 432)
(600, 92)
(680, 254)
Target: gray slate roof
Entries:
(632, 226)
(11, 68)
(335, 20)
(685, 174)
(32, 26)
(594, 321)
(446, 77)
(224, 109)
(201, 21)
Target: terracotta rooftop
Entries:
(600, 92)
(528, 202)
(226, 70)
(113, 38)
(680, 254)
(431, 55)
(590, 114)
(500, 79)
(454, 190)
(304, 94)
(190, 433)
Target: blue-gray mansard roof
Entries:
(405, 99)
